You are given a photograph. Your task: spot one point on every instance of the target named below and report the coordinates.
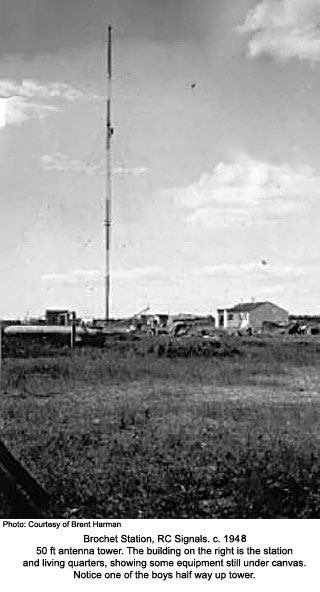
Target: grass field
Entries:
(163, 429)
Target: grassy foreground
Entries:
(143, 431)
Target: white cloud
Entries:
(64, 164)
(135, 171)
(20, 102)
(30, 88)
(95, 276)
(248, 192)
(284, 29)
(259, 271)
(74, 277)
(263, 279)
(16, 110)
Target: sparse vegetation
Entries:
(160, 428)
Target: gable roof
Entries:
(246, 306)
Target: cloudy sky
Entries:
(216, 168)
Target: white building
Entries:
(251, 315)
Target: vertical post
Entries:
(109, 132)
(73, 330)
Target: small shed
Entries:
(58, 317)
(251, 315)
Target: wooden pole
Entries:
(73, 330)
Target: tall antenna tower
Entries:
(108, 196)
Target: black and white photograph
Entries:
(160, 271)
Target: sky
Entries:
(215, 155)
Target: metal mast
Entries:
(108, 196)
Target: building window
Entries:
(230, 316)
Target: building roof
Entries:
(247, 306)
(57, 311)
